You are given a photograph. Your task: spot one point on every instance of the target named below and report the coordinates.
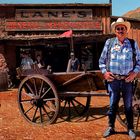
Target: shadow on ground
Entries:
(91, 114)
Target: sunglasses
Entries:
(120, 28)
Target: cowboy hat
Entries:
(120, 21)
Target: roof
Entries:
(55, 5)
(126, 18)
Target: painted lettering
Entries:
(52, 14)
(82, 14)
(58, 25)
(24, 14)
(66, 14)
(37, 14)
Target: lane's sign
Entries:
(54, 14)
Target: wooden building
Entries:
(38, 28)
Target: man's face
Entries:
(121, 31)
(72, 56)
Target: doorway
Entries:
(54, 55)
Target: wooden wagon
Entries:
(42, 96)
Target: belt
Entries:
(119, 77)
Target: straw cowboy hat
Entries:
(120, 21)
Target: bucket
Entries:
(3, 81)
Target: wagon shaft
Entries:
(82, 82)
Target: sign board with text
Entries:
(52, 25)
(54, 14)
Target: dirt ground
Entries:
(90, 127)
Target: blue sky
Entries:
(119, 7)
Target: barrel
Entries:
(3, 81)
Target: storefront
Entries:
(38, 28)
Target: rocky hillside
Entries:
(133, 14)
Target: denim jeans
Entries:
(116, 89)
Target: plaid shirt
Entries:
(121, 58)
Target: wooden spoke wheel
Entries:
(73, 106)
(38, 100)
(136, 112)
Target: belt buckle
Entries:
(122, 77)
(119, 77)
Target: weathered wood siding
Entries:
(98, 22)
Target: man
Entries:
(119, 69)
(39, 61)
(73, 63)
(26, 61)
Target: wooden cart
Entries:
(42, 96)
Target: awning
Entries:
(50, 37)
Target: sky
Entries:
(119, 7)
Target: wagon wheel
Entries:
(38, 100)
(136, 112)
(73, 106)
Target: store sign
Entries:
(52, 25)
(53, 14)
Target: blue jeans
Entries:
(115, 89)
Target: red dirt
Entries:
(14, 127)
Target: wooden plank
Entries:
(84, 94)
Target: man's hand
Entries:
(131, 77)
(109, 76)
